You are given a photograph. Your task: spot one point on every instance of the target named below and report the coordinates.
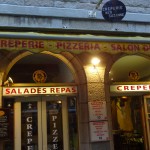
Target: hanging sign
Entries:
(97, 110)
(113, 11)
(99, 131)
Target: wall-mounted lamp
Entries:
(95, 61)
(8, 81)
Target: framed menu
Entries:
(4, 124)
(99, 131)
(97, 110)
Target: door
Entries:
(42, 123)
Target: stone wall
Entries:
(141, 6)
(73, 15)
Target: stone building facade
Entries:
(78, 21)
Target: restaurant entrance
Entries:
(44, 123)
(128, 123)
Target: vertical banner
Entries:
(4, 124)
(54, 124)
(29, 126)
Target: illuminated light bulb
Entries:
(95, 61)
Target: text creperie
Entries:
(133, 88)
(38, 90)
(17, 43)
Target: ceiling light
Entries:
(95, 61)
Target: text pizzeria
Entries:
(77, 45)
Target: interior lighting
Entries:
(124, 98)
(95, 61)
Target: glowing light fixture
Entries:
(95, 61)
(124, 97)
(8, 81)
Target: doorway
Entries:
(128, 124)
(44, 123)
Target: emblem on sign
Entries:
(39, 76)
(133, 75)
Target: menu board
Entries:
(97, 110)
(99, 131)
(4, 123)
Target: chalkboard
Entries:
(113, 10)
(4, 124)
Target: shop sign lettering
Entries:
(130, 88)
(54, 133)
(29, 134)
(58, 46)
(78, 46)
(113, 10)
(14, 91)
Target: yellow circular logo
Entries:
(2, 113)
(133, 76)
(39, 76)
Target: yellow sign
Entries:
(58, 46)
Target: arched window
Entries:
(41, 68)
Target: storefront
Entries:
(42, 122)
(58, 100)
(130, 111)
(42, 115)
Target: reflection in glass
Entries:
(73, 132)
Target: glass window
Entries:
(73, 128)
(8, 103)
(127, 122)
(53, 70)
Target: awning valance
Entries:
(37, 42)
